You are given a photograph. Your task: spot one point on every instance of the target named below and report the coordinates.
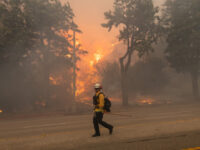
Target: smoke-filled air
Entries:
(69, 68)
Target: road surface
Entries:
(166, 127)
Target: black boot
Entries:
(95, 135)
(111, 130)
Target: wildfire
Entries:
(68, 56)
(97, 57)
(81, 88)
(91, 63)
(86, 74)
(77, 43)
(146, 101)
(55, 80)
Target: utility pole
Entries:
(74, 107)
(74, 65)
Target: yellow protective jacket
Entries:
(100, 101)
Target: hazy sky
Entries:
(89, 17)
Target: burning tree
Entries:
(136, 20)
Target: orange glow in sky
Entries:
(89, 15)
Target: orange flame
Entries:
(87, 74)
(98, 57)
(55, 80)
(146, 101)
(68, 56)
(81, 88)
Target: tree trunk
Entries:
(124, 69)
(195, 86)
(46, 72)
(124, 89)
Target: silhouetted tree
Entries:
(32, 45)
(136, 20)
(181, 20)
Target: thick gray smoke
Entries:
(35, 72)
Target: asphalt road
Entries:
(166, 127)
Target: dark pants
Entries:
(97, 119)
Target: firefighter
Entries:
(98, 101)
